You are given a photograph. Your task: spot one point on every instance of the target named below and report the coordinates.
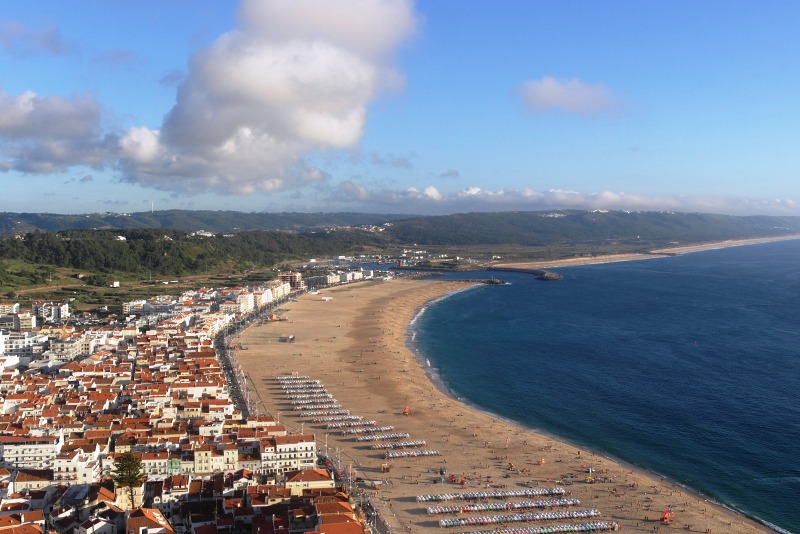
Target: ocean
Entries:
(687, 366)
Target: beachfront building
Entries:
(215, 458)
(309, 479)
(280, 454)
(294, 279)
(246, 301)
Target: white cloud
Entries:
(296, 77)
(431, 201)
(45, 134)
(569, 96)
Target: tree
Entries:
(128, 473)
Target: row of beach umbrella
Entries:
(318, 395)
(336, 418)
(382, 437)
(497, 506)
(411, 454)
(367, 430)
(482, 495)
(519, 518)
(315, 413)
(326, 406)
(400, 444)
(351, 424)
(593, 526)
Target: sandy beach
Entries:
(353, 341)
(653, 254)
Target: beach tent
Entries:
(666, 516)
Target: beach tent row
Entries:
(324, 412)
(297, 383)
(309, 385)
(306, 396)
(400, 444)
(497, 506)
(410, 454)
(346, 424)
(379, 437)
(482, 495)
(318, 400)
(335, 418)
(367, 430)
(519, 518)
(316, 387)
(310, 395)
(327, 406)
(593, 526)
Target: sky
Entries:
(399, 106)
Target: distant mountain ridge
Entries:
(582, 226)
(523, 228)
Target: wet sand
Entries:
(356, 345)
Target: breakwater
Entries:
(540, 274)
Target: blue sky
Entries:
(394, 106)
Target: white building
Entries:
(50, 310)
(30, 452)
(280, 454)
(75, 467)
(9, 308)
(28, 346)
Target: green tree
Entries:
(128, 473)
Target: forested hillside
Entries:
(177, 252)
(543, 228)
(172, 252)
(185, 220)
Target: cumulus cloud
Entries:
(296, 76)
(21, 40)
(569, 96)
(44, 134)
(431, 201)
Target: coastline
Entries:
(357, 345)
(653, 254)
(441, 384)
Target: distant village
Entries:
(163, 385)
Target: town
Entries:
(160, 398)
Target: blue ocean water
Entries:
(688, 366)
